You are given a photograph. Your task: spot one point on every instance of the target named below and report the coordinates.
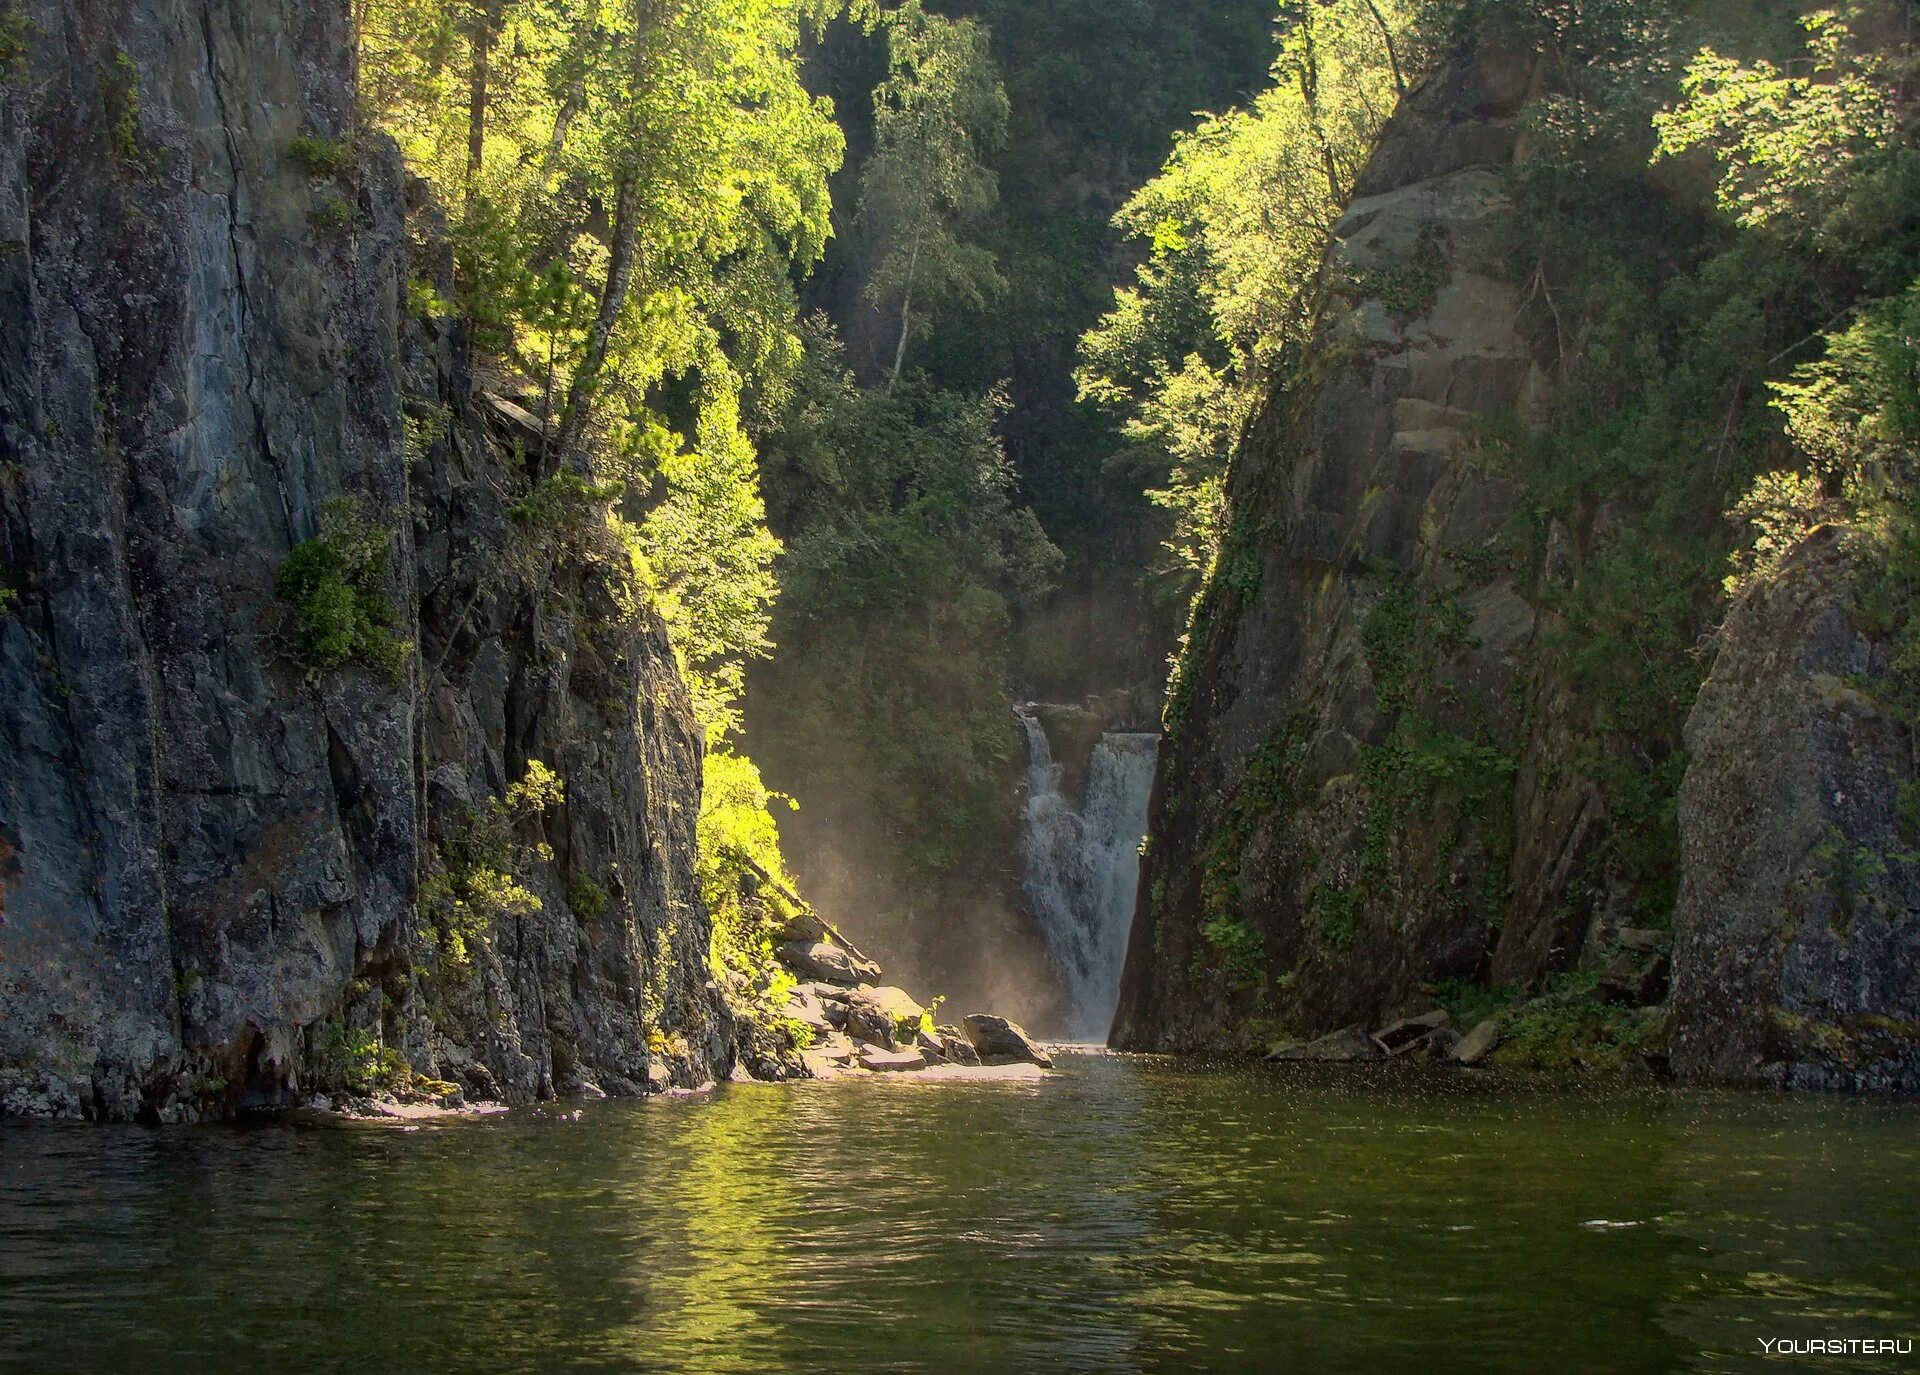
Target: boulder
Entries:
(825, 962)
(891, 1061)
(931, 1045)
(880, 1014)
(956, 1048)
(805, 928)
(804, 1004)
(999, 1041)
(1345, 1046)
(1479, 1043)
(1439, 1044)
(1401, 1036)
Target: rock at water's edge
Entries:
(998, 1040)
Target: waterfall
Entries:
(1083, 865)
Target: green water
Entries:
(1121, 1215)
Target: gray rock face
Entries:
(1796, 951)
(1374, 609)
(210, 855)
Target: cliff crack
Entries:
(240, 273)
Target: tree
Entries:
(940, 110)
(1236, 226)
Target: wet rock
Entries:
(826, 963)
(999, 1041)
(1479, 1043)
(1346, 1046)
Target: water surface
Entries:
(1122, 1215)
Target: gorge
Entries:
(604, 604)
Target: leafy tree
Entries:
(1825, 160)
(938, 113)
(1235, 227)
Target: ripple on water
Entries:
(1122, 1213)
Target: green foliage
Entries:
(1571, 1031)
(907, 558)
(588, 900)
(322, 157)
(336, 582)
(739, 867)
(424, 301)
(1236, 227)
(9, 599)
(16, 31)
(1408, 287)
(937, 114)
(360, 1061)
(1330, 913)
(332, 212)
(481, 862)
(120, 93)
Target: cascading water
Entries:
(1083, 865)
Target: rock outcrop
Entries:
(1397, 763)
(1797, 953)
(1354, 796)
(212, 852)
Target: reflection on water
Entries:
(1121, 1215)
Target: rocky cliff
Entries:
(232, 872)
(1797, 950)
(1412, 751)
(1348, 721)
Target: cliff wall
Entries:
(213, 852)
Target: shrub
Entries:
(334, 582)
(322, 157)
(332, 212)
(588, 899)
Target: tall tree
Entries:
(938, 114)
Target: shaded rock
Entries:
(1440, 1044)
(825, 962)
(1479, 1043)
(955, 1046)
(1630, 981)
(891, 1061)
(1643, 941)
(1345, 1046)
(931, 1044)
(1408, 1032)
(998, 1041)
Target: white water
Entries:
(1083, 866)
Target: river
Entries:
(1120, 1215)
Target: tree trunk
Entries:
(906, 314)
(559, 451)
(485, 25)
(1393, 53)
